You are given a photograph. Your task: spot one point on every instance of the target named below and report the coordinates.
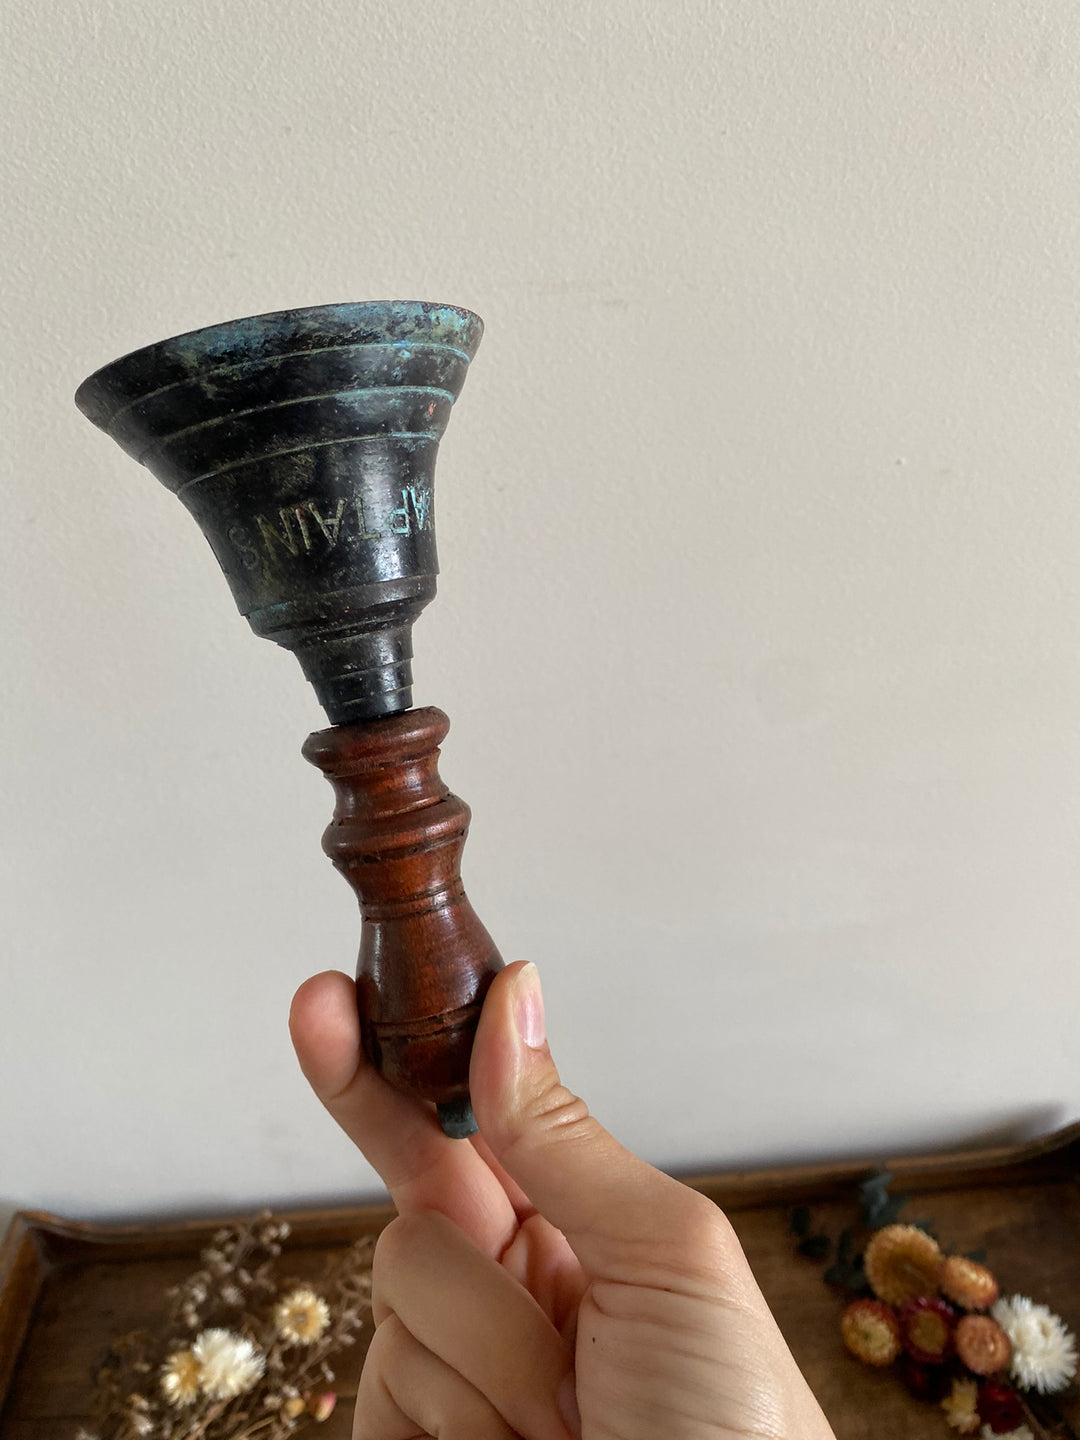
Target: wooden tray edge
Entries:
(1047, 1158)
(23, 1268)
(1050, 1157)
(36, 1241)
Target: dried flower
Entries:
(228, 1364)
(968, 1283)
(870, 1331)
(902, 1263)
(925, 1382)
(1043, 1349)
(1021, 1433)
(243, 1377)
(180, 1378)
(926, 1328)
(999, 1408)
(961, 1406)
(982, 1344)
(321, 1407)
(302, 1317)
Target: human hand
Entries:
(541, 1282)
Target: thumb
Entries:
(619, 1215)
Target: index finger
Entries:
(399, 1137)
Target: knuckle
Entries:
(697, 1242)
(390, 1252)
(385, 1253)
(557, 1110)
(387, 1344)
(707, 1223)
(401, 1238)
(705, 1226)
(409, 1242)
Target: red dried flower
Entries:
(999, 1407)
(925, 1382)
(982, 1344)
(926, 1329)
(871, 1332)
(967, 1282)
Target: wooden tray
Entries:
(67, 1289)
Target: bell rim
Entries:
(97, 400)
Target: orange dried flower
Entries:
(902, 1263)
(968, 1283)
(871, 1332)
(982, 1344)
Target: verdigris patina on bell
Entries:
(304, 444)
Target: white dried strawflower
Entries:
(301, 1317)
(1043, 1349)
(180, 1378)
(1022, 1434)
(228, 1364)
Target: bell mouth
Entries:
(304, 442)
(273, 335)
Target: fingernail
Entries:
(567, 1404)
(529, 1007)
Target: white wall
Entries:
(759, 621)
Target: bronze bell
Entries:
(304, 444)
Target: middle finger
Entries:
(494, 1334)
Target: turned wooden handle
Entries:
(425, 959)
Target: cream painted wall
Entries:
(759, 621)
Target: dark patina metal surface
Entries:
(304, 443)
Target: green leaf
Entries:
(815, 1247)
(876, 1180)
(875, 1202)
(889, 1212)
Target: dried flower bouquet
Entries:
(242, 1352)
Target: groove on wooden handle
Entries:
(425, 958)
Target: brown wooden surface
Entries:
(73, 1287)
(425, 959)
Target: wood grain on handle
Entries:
(425, 958)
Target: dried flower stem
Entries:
(254, 1429)
(260, 1365)
(1061, 1431)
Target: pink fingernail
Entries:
(529, 1007)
